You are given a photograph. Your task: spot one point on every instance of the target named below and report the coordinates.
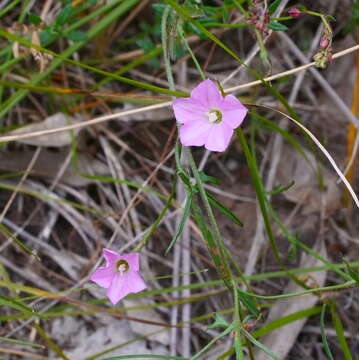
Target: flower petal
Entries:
(233, 111)
(219, 137)
(118, 289)
(195, 133)
(110, 256)
(188, 110)
(133, 260)
(135, 282)
(103, 276)
(207, 94)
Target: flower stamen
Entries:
(122, 266)
(214, 116)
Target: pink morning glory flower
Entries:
(208, 118)
(120, 276)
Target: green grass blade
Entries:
(255, 342)
(215, 203)
(21, 342)
(182, 222)
(340, 333)
(324, 336)
(17, 305)
(285, 320)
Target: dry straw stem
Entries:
(104, 118)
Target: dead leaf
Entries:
(79, 340)
(49, 163)
(307, 189)
(52, 122)
(281, 341)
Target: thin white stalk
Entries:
(161, 105)
(322, 149)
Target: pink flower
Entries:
(120, 276)
(207, 117)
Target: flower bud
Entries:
(259, 26)
(295, 12)
(324, 43)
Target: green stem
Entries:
(346, 285)
(224, 269)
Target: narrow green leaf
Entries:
(56, 349)
(260, 345)
(324, 337)
(219, 322)
(280, 189)
(17, 305)
(34, 19)
(248, 302)
(64, 15)
(285, 320)
(353, 274)
(21, 342)
(274, 6)
(223, 209)
(210, 179)
(340, 333)
(185, 214)
(18, 242)
(277, 26)
(76, 35)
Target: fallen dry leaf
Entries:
(306, 189)
(52, 122)
(49, 163)
(81, 340)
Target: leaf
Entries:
(261, 346)
(285, 320)
(185, 214)
(52, 122)
(34, 19)
(223, 209)
(186, 179)
(248, 302)
(281, 188)
(274, 6)
(197, 31)
(6, 301)
(21, 245)
(76, 35)
(206, 178)
(353, 274)
(225, 12)
(146, 44)
(324, 337)
(277, 26)
(340, 333)
(64, 15)
(219, 322)
(21, 342)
